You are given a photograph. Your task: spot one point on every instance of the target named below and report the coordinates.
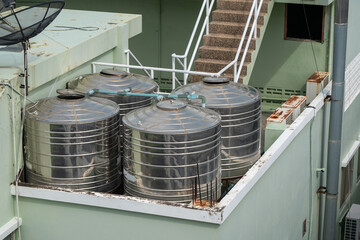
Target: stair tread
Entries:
(224, 35)
(236, 12)
(206, 47)
(228, 23)
(216, 61)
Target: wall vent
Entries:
(352, 223)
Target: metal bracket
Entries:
(321, 190)
(327, 98)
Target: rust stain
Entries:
(38, 45)
(279, 115)
(294, 101)
(203, 203)
(317, 77)
(276, 114)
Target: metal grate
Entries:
(351, 230)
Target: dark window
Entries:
(346, 181)
(295, 22)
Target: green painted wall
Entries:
(69, 221)
(353, 46)
(7, 170)
(167, 26)
(287, 64)
(275, 208)
(77, 65)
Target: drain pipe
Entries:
(158, 96)
(336, 115)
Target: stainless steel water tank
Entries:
(113, 80)
(165, 144)
(240, 108)
(72, 141)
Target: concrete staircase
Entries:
(221, 44)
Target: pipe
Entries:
(16, 91)
(158, 96)
(336, 115)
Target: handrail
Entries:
(254, 13)
(206, 8)
(182, 59)
(253, 30)
(129, 53)
(240, 44)
(94, 64)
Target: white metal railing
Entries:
(151, 69)
(206, 8)
(186, 66)
(182, 59)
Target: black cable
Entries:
(308, 29)
(70, 28)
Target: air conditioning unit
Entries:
(315, 84)
(281, 115)
(352, 223)
(296, 103)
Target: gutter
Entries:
(336, 117)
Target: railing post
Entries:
(255, 18)
(185, 68)
(235, 72)
(127, 59)
(173, 73)
(93, 68)
(207, 16)
(152, 74)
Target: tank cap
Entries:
(114, 73)
(216, 80)
(171, 105)
(69, 94)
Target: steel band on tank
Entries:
(240, 109)
(73, 143)
(167, 147)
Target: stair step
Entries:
(243, 5)
(198, 78)
(230, 28)
(222, 53)
(228, 40)
(213, 66)
(228, 75)
(234, 16)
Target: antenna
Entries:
(21, 25)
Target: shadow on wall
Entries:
(286, 64)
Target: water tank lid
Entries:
(71, 107)
(171, 105)
(109, 79)
(220, 95)
(216, 80)
(171, 117)
(114, 73)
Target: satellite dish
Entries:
(18, 26)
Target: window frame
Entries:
(347, 173)
(304, 39)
